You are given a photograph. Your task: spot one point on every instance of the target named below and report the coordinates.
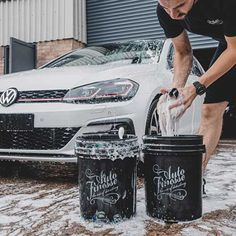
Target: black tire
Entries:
(152, 120)
(152, 123)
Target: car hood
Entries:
(70, 77)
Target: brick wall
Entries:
(46, 51)
(1, 61)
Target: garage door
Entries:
(118, 20)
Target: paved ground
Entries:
(45, 201)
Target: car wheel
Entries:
(152, 124)
(152, 128)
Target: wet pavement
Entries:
(43, 199)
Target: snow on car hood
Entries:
(69, 77)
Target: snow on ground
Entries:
(36, 207)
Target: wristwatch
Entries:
(200, 88)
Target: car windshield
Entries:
(135, 52)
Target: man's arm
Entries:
(223, 63)
(221, 66)
(183, 59)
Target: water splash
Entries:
(108, 147)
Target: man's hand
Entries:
(164, 90)
(186, 97)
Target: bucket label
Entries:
(170, 183)
(102, 187)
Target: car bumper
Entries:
(79, 118)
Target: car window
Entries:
(136, 52)
(170, 58)
(196, 68)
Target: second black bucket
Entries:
(173, 177)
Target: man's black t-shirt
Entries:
(213, 18)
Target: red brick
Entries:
(47, 51)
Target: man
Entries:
(217, 19)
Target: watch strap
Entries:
(200, 88)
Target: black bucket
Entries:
(173, 177)
(107, 176)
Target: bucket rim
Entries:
(150, 150)
(97, 137)
(175, 138)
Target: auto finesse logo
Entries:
(102, 187)
(170, 183)
(8, 97)
(215, 22)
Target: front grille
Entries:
(38, 139)
(40, 96)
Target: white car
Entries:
(88, 90)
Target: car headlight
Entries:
(106, 91)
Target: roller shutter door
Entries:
(119, 20)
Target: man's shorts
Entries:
(224, 89)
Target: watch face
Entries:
(201, 91)
(200, 88)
